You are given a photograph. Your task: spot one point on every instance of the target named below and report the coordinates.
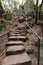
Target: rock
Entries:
(21, 59)
(23, 38)
(15, 42)
(30, 21)
(13, 50)
(29, 50)
(21, 19)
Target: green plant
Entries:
(7, 16)
(41, 9)
(2, 24)
(1, 10)
(29, 3)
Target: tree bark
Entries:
(36, 11)
(40, 9)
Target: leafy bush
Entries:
(29, 3)
(2, 25)
(1, 11)
(41, 13)
(7, 16)
(42, 10)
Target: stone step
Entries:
(15, 48)
(15, 42)
(23, 32)
(17, 34)
(17, 37)
(20, 59)
(16, 31)
(12, 50)
(19, 31)
(14, 34)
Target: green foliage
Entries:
(1, 10)
(16, 3)
(41, 12)
(2, 25)
(41, 9)
(4, 14)
(7, 16)
(29, 3)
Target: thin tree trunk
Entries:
(36, 11)
(40, 9)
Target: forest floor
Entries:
(32, 39)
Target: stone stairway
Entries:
(15, 53)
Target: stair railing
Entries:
(39, 39)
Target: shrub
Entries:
(2, 25)
(7, 16)
(1, 11)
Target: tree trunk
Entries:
(1, 10)
(40, 9)
(36, 11)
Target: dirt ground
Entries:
(31, 42)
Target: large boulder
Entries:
(21, 19)
(30, 21)
(29, 11)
